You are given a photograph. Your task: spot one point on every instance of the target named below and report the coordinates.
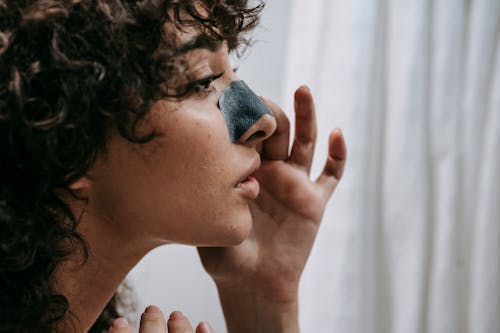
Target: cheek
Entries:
(178, 187)
(198, 147)
(199, 192)
(202, 201)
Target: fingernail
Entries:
(152, 309)
(120, 323)
(307, 87)
(176, 315)
(205, 327)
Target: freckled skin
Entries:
(180, 187)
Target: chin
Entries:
(234, 232)
(243, 228)
(239, 236)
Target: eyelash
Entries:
(204, 84)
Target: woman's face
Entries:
(187, 184)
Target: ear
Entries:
(80, 184)
(81, 187)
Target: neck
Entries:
(89, 286)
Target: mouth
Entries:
(248, 185)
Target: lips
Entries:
(248, 185)
(249, 188)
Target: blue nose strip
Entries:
(241, 108)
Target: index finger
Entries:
(276, 146)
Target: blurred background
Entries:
(410, 240)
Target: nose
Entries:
(259, 131)
(248, 118)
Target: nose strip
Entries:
(241, 108)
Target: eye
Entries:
(204, 84)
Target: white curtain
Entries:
(410, 241)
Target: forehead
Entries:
(194, 48)
(189, 33)
(195, 41)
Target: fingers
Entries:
(276, 146)
(153, 321)
(335, 163)
(204, 327)
(120, 325)
(178, 323)
(305, 129)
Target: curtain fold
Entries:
(410, 241)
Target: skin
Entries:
(285, 227)
(180, 188)
(153, 321)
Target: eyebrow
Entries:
(201, 41)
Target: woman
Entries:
(123, 128)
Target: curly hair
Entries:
(71, 70)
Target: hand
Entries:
(287, 213)
(153, 321)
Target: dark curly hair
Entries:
(71, 70)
